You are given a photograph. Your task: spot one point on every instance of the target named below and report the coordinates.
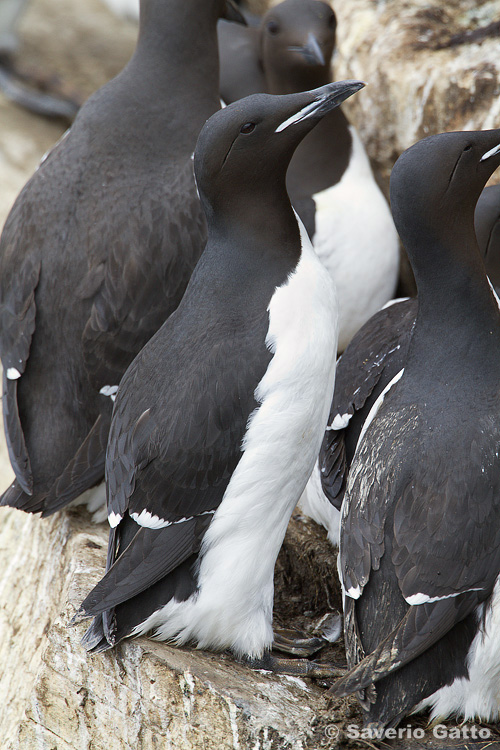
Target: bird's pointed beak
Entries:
(233, 13)
(310, 51)
(313, 105)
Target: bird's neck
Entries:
(177, 54)
(241, 221)
(457, 311)
(315, 166)
(288, 81)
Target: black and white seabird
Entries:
(420, 531)
(218, 420)
(374, 356)
(98, 249)
(330, 181)
(290, 49)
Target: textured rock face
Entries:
(430, 67)
(143, 694)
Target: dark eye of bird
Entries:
(247, 128)
(331, 22)
(468, 148)
(272, 27)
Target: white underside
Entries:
(95, 500)
(316, 505)
(357, 242)
(232, 607)
(479, 695)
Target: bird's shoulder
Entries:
(181, 415)
(374, 356)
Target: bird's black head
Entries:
(297, 43)
(436, 183)
(244, 150)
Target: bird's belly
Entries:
(356, 241)
(315, 504)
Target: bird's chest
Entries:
(302, 337)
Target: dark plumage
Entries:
(378, 352)
(98, 249)
(487, 226)
(200, 483)
(289, 51)
(329, 180)
(420, 539)
(375, 355)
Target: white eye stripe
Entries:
(492, 152)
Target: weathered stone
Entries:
(424, 74)
(143, 694)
